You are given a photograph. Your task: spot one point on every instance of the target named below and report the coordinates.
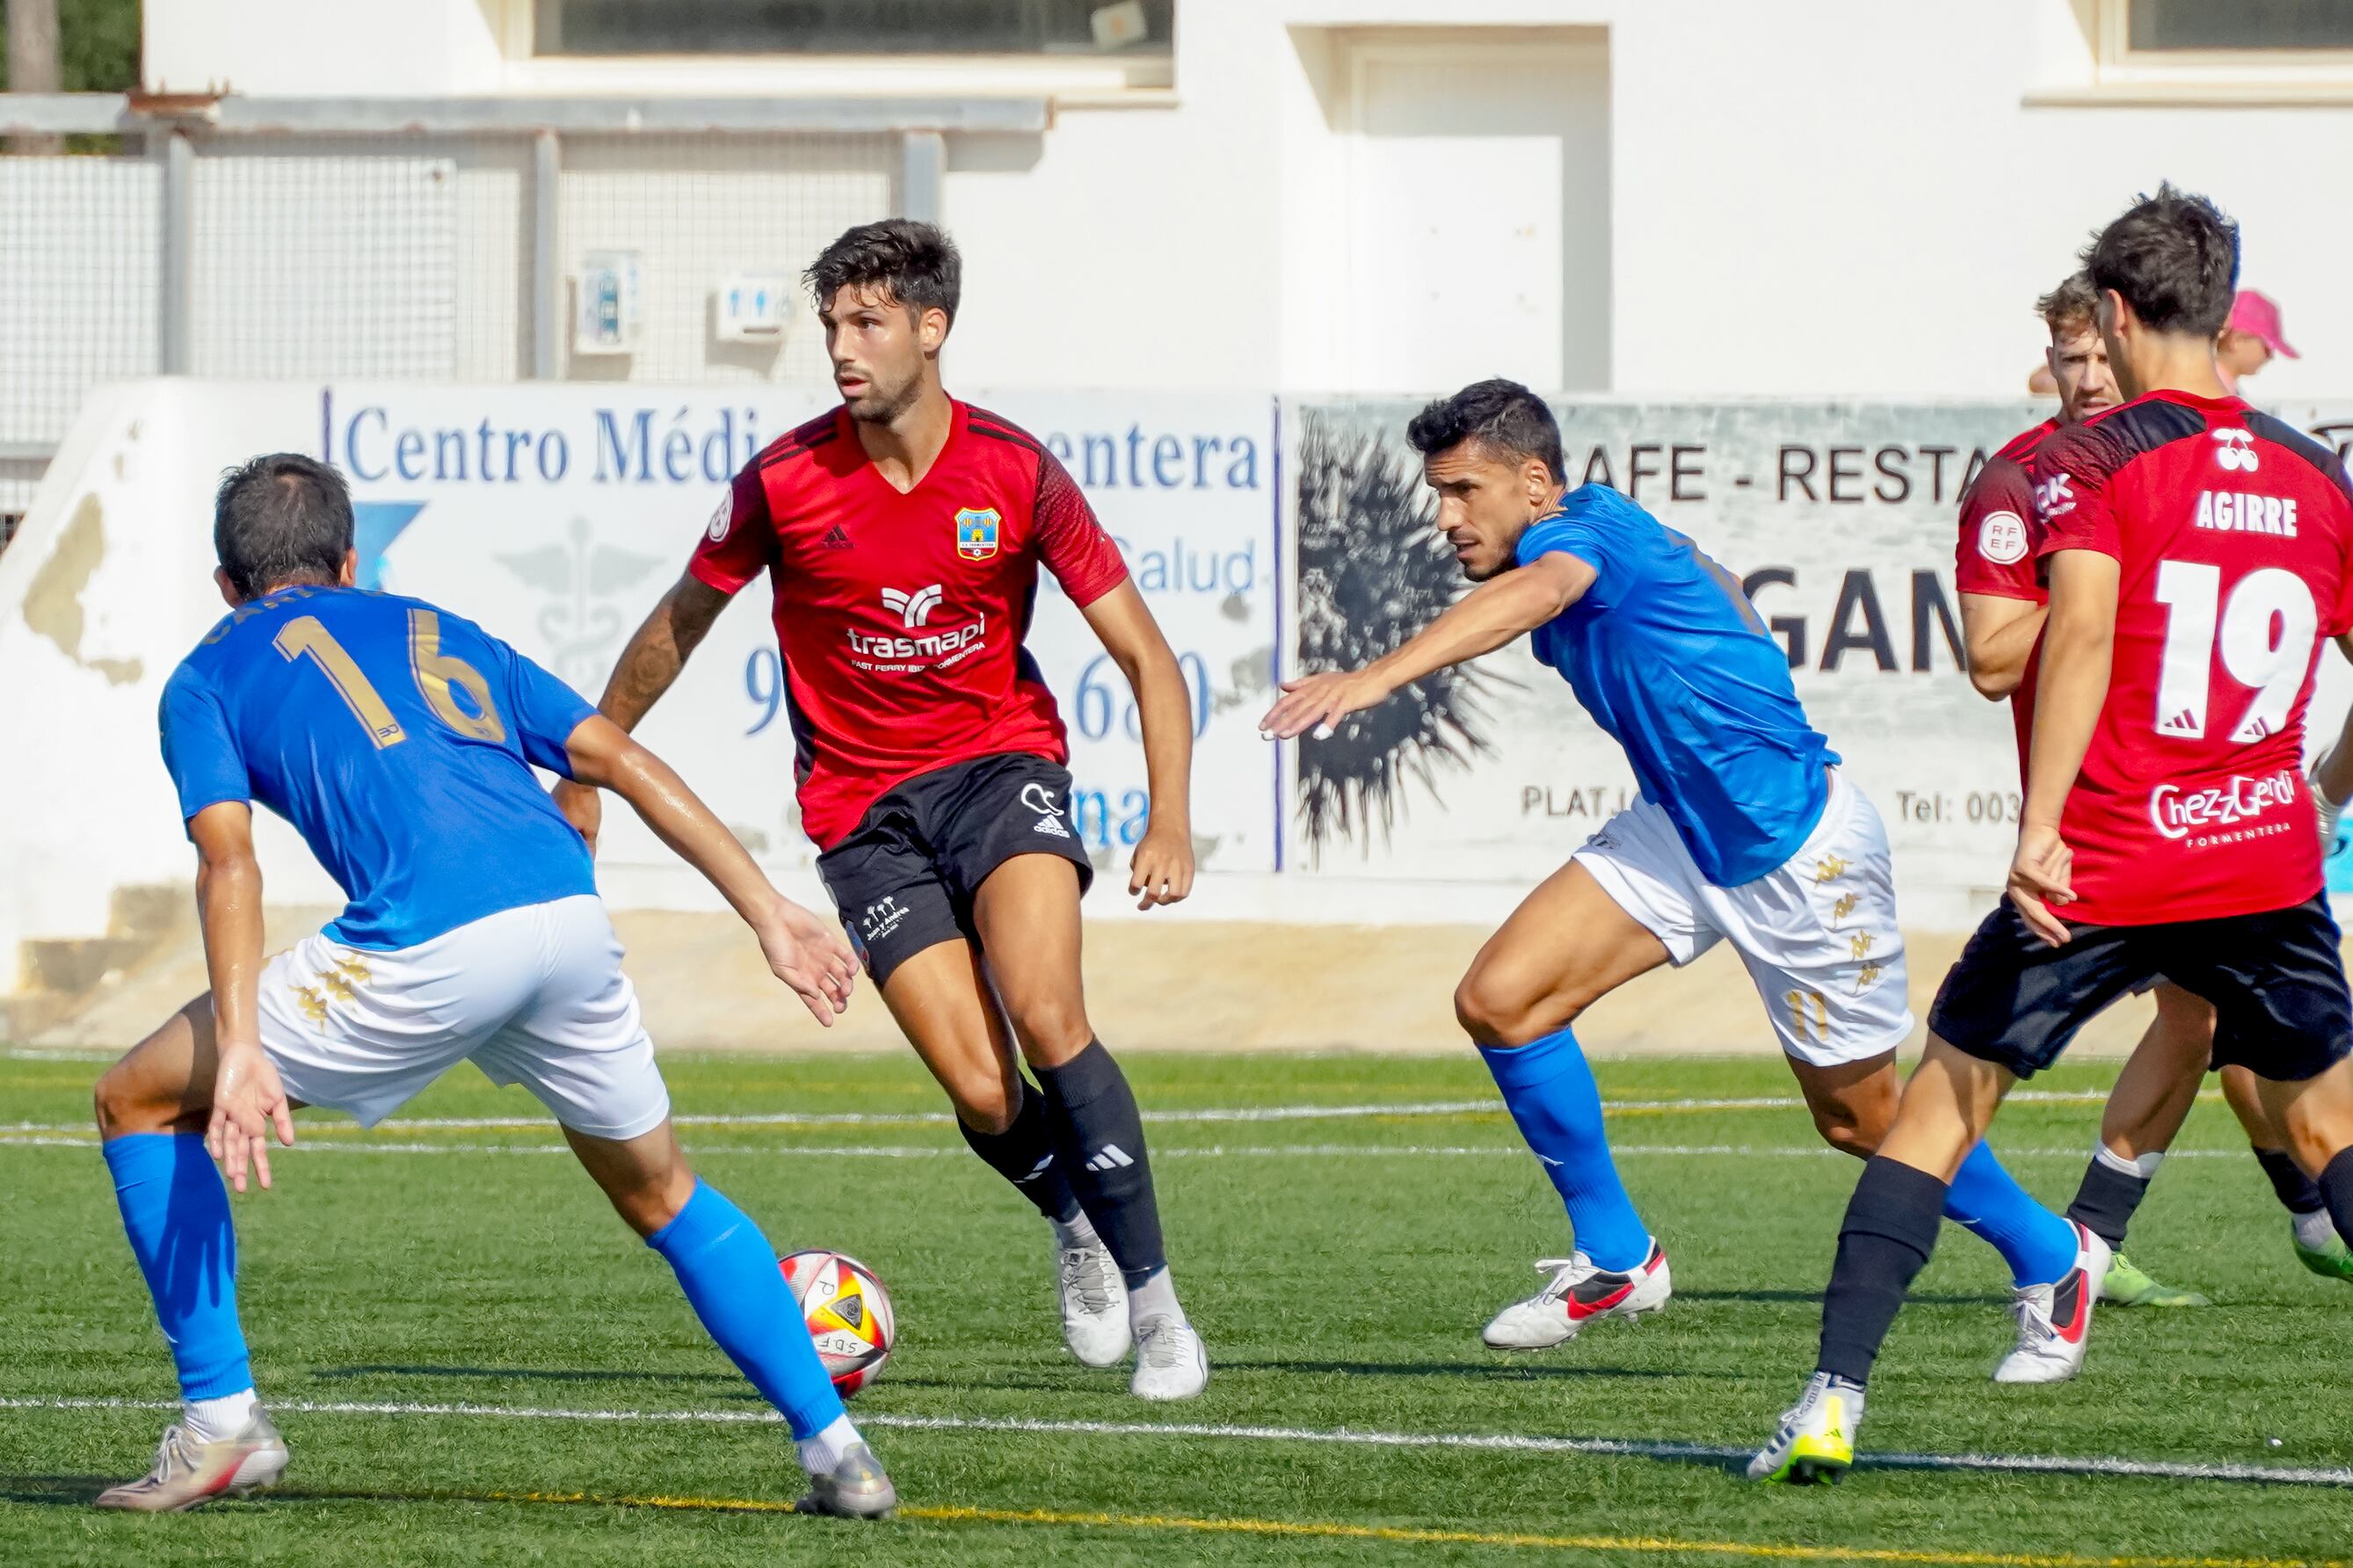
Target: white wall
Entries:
(1815, 197)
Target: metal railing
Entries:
(425, 238)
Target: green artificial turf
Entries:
(1340, 1267)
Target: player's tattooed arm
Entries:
(2078, 644)
(247, 1097)
(1494, 613)
(2001, 634)
(645, 669)
(1162, 870)
(804, 950)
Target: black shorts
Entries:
(905, 877)
(2275, 978)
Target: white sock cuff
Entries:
(1156, 1298)
(2142, 1168)
(1077, 1232)
(218, 1420)
(822, 1452)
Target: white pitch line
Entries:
(1211, 1152)
(1418, 1108)
(1630, 1448)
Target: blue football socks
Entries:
(730, 1275)
(1985, 1200)
(175, 1212)
(1550, 1092)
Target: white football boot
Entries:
(1170, 1363)
(1816, 1438)
(189, 1473)
(1094, 1304)
(854, 1489)
(2055, 1321)
(1579, 1293)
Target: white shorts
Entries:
(1819, 935)
(532, 996)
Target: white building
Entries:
(1645, 196)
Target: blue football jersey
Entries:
(399, 739)
(1668, 655)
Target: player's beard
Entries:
(882, 405)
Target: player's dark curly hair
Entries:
(2174, 258)
(281, 519)
(915, 263)
(1501, 414)
(2073, 307)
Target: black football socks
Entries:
(2336, 1187)
(2298, 1194)
(1023, 1155)
(1885, 1242)
(2109, 1196)
(1098, 1136)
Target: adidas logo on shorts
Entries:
(1051, 826)
(1110, 1157)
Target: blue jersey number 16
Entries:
(436, 673)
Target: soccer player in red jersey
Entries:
(901, 536)
(2001, 615)
(2197, 552)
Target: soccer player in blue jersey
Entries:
(400, 739)
(1745, 832)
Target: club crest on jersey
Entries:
(721, 518)
(975, 529)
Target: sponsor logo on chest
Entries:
(915, 608)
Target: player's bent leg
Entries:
(2310, 1231)
(2145, 1110)
(1567, 944)
(941, 998)
(728, 1271)
(1853, 1106)
(151, 1108)
(1026, 911)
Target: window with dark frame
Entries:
(1119, 28)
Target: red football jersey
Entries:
(2232, 532)
(1995, 555)
(901, 617)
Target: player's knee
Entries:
(118, 1106)
(1051, 1029)
(987, 1104)
(1499, 1017)
(1848, 1131)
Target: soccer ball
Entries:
(849, 1314)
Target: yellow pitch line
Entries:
(1407, 1535)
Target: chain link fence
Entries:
(404, 256)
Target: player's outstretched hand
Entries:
(1161, 872)
(1318, 703)
(2042, 875)
(583, 807)
(247, 1103)
(810, 954)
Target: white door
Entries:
(1478, 239)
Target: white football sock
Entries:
(1075, 1234)
(218, 1420)
(2143, 1168)
(822, 1452)
(2316, 1231)
(1156, 1298)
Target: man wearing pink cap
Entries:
(2250, 338)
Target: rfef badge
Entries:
(976, 532)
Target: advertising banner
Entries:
(557, 516)
(1839, 522)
